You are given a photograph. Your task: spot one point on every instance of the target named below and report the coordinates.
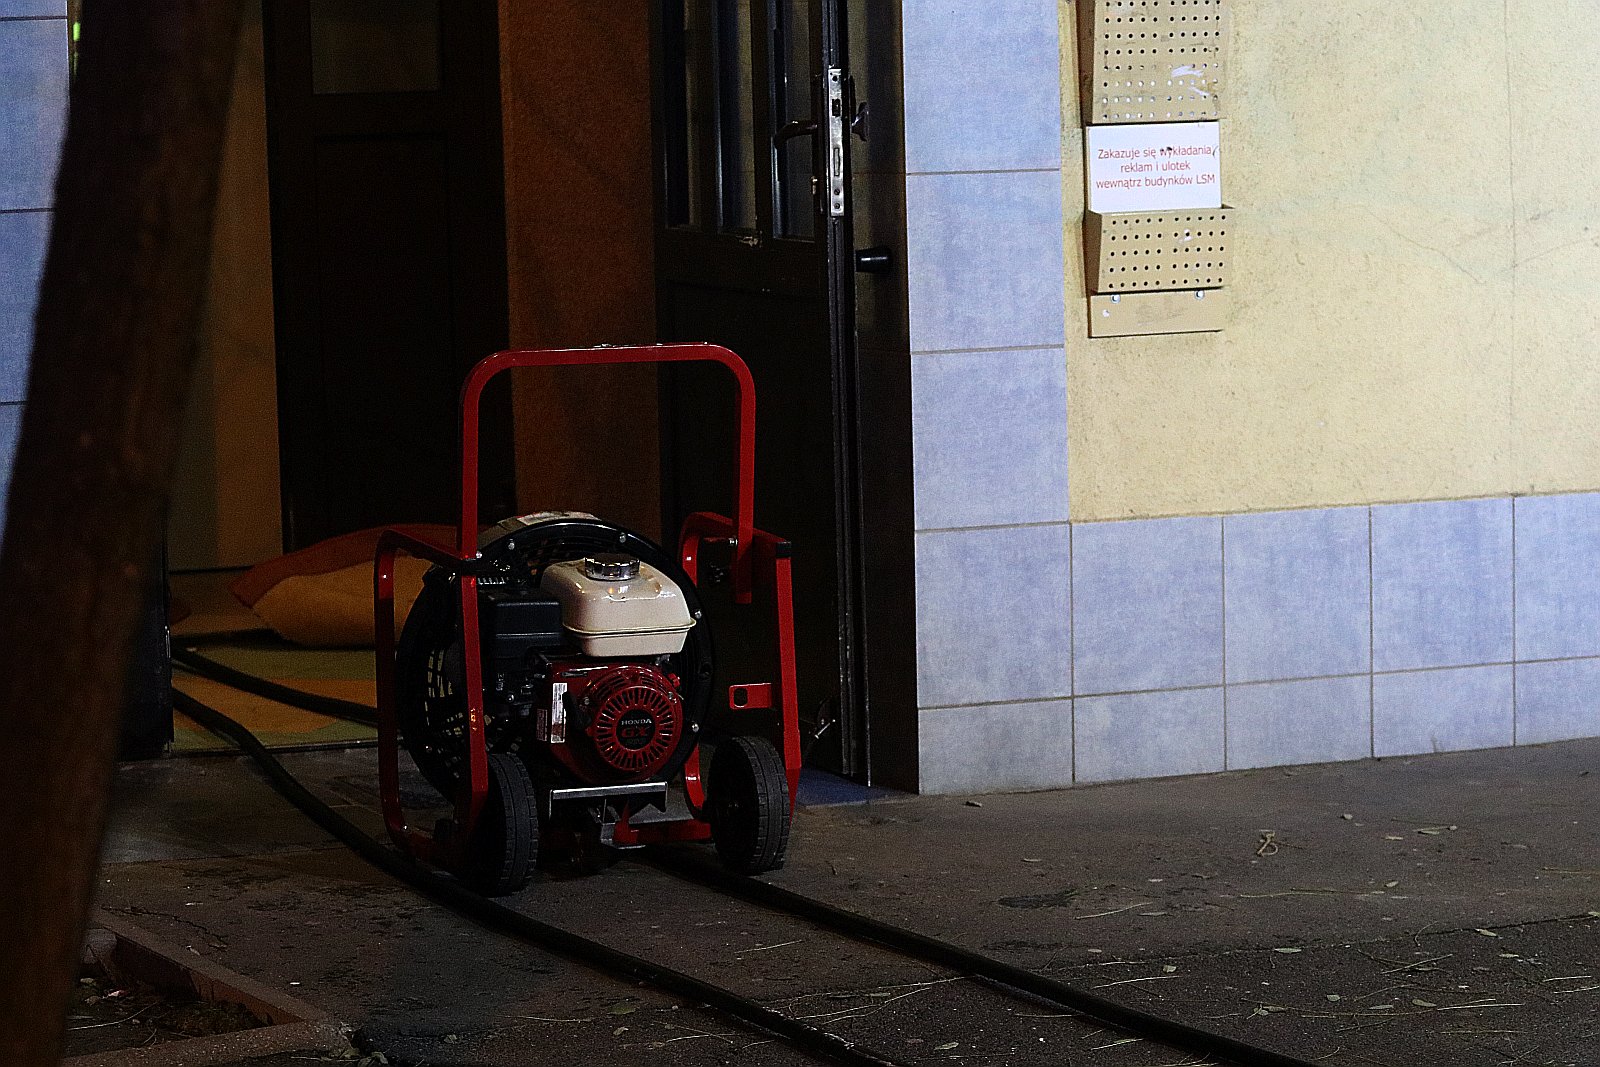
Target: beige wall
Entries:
(1417, 271)
(225, 503)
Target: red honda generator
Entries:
(555, 679)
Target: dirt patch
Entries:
(104, 1016)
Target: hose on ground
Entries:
(206, 667)
(500, 918)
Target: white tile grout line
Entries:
(1001, 526)
(1296, 509)
(998, 703)
(1249, 514)
(916, 353)
(1515, 718)
(1072, 646)
(996, 170)
(1222, 547)
(1372, 643)
(1259, 683)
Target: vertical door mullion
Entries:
(707, 137)
(673, 125)
(765, 65)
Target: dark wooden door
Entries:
(753, 252)
(388, 240)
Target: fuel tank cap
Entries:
(610, 567)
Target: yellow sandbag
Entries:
(334, 609)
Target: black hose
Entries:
(940, 953)
(333, 707)
(502, 919)
(955, 958)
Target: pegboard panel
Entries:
(1157, 250)
(1146, 314)
(1151, 60)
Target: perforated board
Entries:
(1157, 250)
(1151, 60)
(1142, 314)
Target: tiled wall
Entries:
(982, 95)
(1050, 654)
(33, 103)
(1205, 644)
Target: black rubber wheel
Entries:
(505, 842)
(747, 804)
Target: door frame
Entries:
(877, 668)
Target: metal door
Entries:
(753, 251)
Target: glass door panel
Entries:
(736, 116)
(795, 94)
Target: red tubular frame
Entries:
(757, 557)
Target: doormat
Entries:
(346, 674)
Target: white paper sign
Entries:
(1158, 166)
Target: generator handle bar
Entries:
(744, 500)
(469, 801)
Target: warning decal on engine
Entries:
(553, 720)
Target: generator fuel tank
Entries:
(615, 605)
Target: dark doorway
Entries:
(388, 238)
(753, 251)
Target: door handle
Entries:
(797, 128)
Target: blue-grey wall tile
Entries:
(993, 618)
(982, 84)
(1558, 579)
(990, 438)
(1298, 601)
(1148, 735)
(1441, 584)
(10, 423)
(1280, 724)
(1558, 701)
(997, 748)
(984, 260)
(23, 236)
(1147, 604)
(33, 104)
(10, 9)
(1441, 711)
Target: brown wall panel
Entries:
(575, 84)
(225, 509)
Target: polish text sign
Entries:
(1157, 166)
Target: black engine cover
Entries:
(517, 622)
